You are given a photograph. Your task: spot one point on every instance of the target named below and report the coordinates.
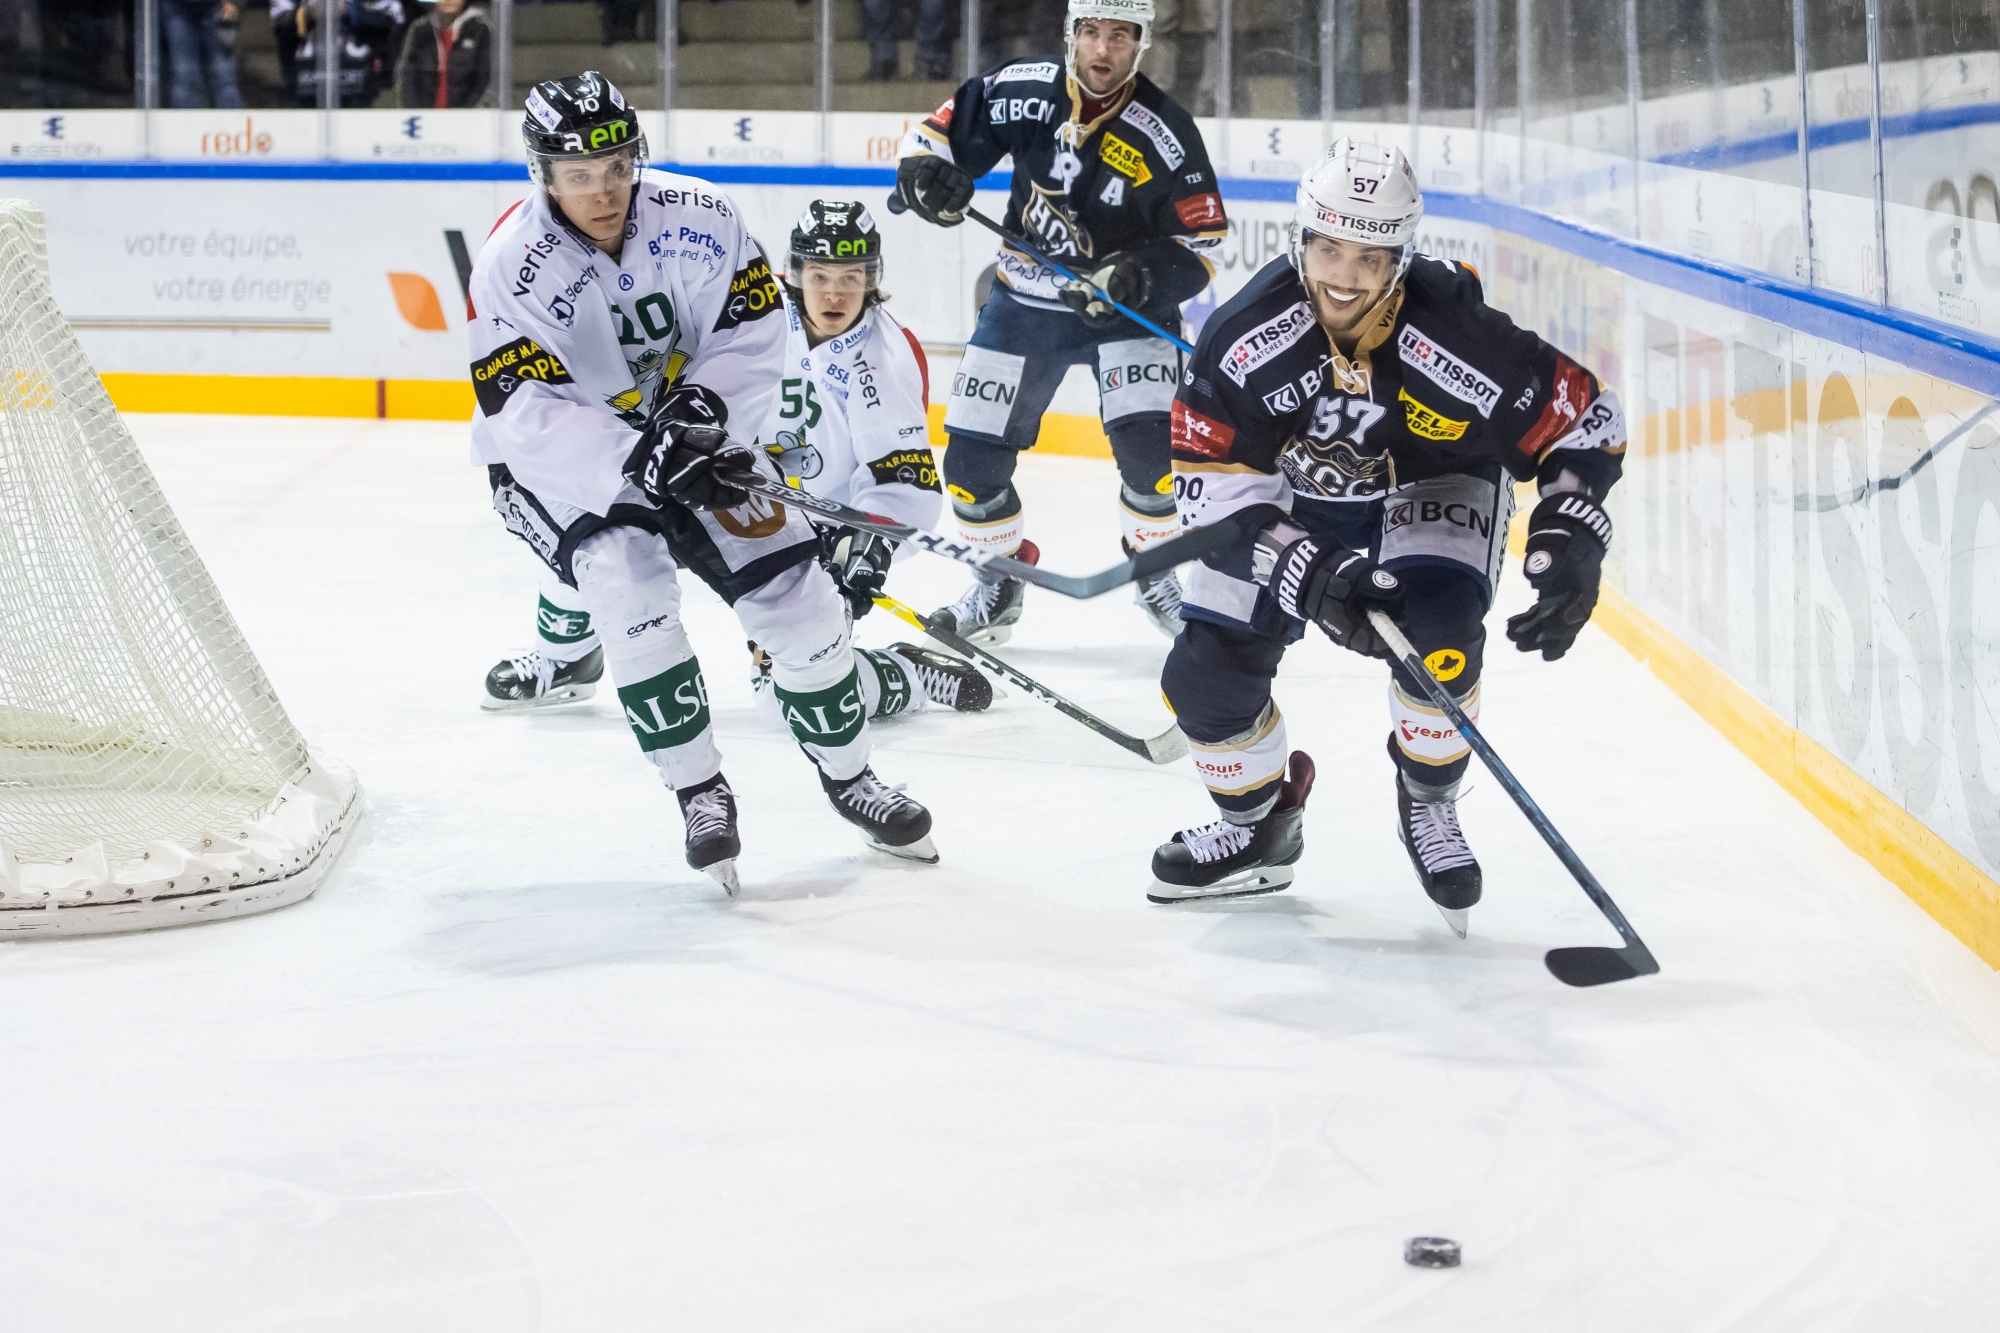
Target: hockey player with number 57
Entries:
(1361, 415)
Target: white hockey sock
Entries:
(800, 620)
(889, 683)
(563, 629)
(1243, 772)
(1143, 530)
(1424, 733)
(626, 579)
(1001, 538)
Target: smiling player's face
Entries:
(1346, 281)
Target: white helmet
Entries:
(1118, 11)
(1359, 192)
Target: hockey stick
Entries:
(1142, 564)
(1164, 748)
(1020, 242)
(1590, 965)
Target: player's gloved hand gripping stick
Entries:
(1164, 748)
(1591, 965)
(1021, 243)
(1143, 564)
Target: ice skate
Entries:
(947, 681)
(1225, 860)
(988, 610)
(533, 681)
(889, 821)
(1438, 851)
(712, 842)
(1160, 598)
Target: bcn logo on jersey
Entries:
(1265, 341)
(1431, 425)
(1450, 512)
(987, 391)
(1194, 433)
(1119, 377)
(1001, 110)
(495, 378)
(1454, 376)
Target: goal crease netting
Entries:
(148, 774)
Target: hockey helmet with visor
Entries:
(838, 239)
(1360, 196)
(582, 136)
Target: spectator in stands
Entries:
(447, 57)
(621, 20)
(366, 32)
(199, 37)
(1019, 30)
(933, 59)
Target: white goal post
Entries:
(148, 774)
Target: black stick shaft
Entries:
(1440, 696)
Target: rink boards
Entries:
(1809, 526)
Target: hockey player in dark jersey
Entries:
(1110, 180)
(1361, 415)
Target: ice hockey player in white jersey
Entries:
(586, 294)
(852, 425)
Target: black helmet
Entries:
(581, 116)
(833, 232)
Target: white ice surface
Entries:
(516, 1067)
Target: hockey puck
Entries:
(1430, 1252)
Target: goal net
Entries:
(148, 774)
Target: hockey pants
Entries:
(1218, 681)
(1012, 366)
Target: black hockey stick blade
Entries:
(1588, 966)
(1592, 965)
(1153, 560)
(1164, 748)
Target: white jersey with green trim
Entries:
(851, 422)
(570, 346)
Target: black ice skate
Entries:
(533, 681)
(947, 681)
(987, 611)
(889, 821)
(1160, 598)
(1225, 860)
(712, 844)
(1438, 850)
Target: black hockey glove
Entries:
(1123, 277)
(938, 190)
(859, 563)
(1568, 535)
(679, 448)
(1331, 587)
